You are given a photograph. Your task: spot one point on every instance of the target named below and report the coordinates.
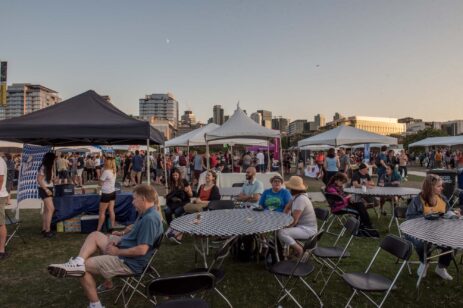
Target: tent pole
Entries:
(281, 160)
(148, 162)
(165, 171)
(207, 155)
(268, 155)
(188, 161)
(232, 159)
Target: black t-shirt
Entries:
(359, 178)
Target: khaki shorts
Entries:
(108, 266)
(3, 201)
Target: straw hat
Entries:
(295, 183)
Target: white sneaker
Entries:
(442, 272)
(72, 268)
(422, 270)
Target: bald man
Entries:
(252, 188)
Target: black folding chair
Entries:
(363, 283)
(332, 256)
(332, 200)
(323, 215)
(292, 271)
(181, 285)
(216, 268)
(454, 199)
(134, 283)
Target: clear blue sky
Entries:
(296, 58)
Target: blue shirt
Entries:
(381, 169)
(251, 188)
(146, 230)
(137, 163)
(331, 164)
(275, 201)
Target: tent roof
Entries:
(83, 119)
(196, 137)
(239, 125)
(448, 141)
(344, 135)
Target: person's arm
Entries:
(139, 250)
(338, 163)
(188, 191)
(2, 178)
(123, 232)
(43, 184)
(296, 215)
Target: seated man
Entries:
(123, 253)
(252, 189)
(362, 178)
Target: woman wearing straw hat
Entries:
(304, 223)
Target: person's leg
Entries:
(102, 214)
(89, 285)
(179, 211)
(444, 260)
(48, 214)
(2, 224)
(168, 214)
(139, 177)
(288, 237)
(112, 214)
(365, 221)
(132, 178)
(94, 241)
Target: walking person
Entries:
(45, 181)
(108, 193)
(403, 161)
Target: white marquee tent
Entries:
(443, 141)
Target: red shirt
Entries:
(204, 194)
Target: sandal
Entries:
(103, 289)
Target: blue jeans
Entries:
(420, 246)
(168, 212)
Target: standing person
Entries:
(80, 170)
(344, 161)
(304, 223)
(331, 165)
(247, 160)
(45, 180)
(62, 166)
(438, 157)
(136, 167)
(320, 161)
(277, 197)
(381, 161)
(260, 161)
(429, 201)
(198, 164)
(108, 193)
(403, 161)
(97, 162)
(3, 202)
(126, 172)
(72, 161)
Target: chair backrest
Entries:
(221, 205)
(237, 184)
(352, 225)
(179, 285)
(397, 246)
(400, 212)
(321, 213)
(312, 242)
(332, 199)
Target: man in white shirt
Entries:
(3, 202)
(260, 161)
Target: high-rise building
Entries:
(160, 106)
(281, 124)
(296, 127)
(337, 116)
(266, 118)
(24, 98)
(217, 115)
(453, 128)
(188, 118)
(378, 125)
(319, 120)
(256, 117)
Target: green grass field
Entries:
(25, 282)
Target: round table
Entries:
(228, 223)
(231, 222)
(379, 191)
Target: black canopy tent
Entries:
(84, 119)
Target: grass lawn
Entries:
(25, 282)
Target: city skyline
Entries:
(296, 59)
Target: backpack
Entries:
(182, 160)
(244, 249)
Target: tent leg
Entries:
(281, 161)
(207, 156)
(165, 171)
(148, 162)
(188, 163)
(269, 163)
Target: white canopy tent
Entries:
(444, 141)
(344, 135)
(240, 126)
(318, 147)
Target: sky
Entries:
(389, 58)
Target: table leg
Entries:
(426, 264)
(201, 250)
(393, 205)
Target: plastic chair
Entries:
(363, 283)
(181, 285)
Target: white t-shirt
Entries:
(4, 172)
(109, 181)
(308, 219)
(260, 158)
(42, 172)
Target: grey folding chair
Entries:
(366, 282)
(288, 272)
(330, 257)
(181, 285)
(136, 283)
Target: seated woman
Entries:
(304, 224)
(389, 179)
(179, 194)
(430, 200)
(275, 198)
(207, 192)
(335, 186)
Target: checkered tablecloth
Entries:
(379, 191)
(440, 232)
(231, 222)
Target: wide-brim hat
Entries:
(295, 183)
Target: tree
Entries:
(423, 134)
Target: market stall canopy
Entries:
(83, 119)
(196, 138)
(239, 125)
(320, 147)
(344, 135)
(444, 141)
